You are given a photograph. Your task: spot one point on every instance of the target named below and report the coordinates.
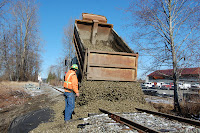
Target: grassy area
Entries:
(189, 108)
(55, 82)
(12, 93)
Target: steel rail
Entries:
(178, 118)
(129, 123)
(56, 89)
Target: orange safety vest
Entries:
(71, 82)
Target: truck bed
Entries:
(102, 54)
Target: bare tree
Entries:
(20, 42)
(6, 52)
(3, 11)
(3, 27)
(55, 72)
(61, 68)
(68, 47)
(25, 14)
(168, 31)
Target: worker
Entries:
(71, 88)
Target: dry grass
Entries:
(188, 107)
(14, 85)
(55, 82)
(12, 93)
(162, 107)
(191, 107)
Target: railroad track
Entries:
(180, 119)
(143, 129)
(132, 125)
(58, 89)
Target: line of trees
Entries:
(19, 40)
(55, 72)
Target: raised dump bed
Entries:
(101, 53)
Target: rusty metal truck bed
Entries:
(101, 53)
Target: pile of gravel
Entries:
(101, 45)
(110, 91)
(109, 95)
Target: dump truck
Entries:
(100, 53)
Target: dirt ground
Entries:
(14, 102)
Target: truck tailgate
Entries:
(113, 66)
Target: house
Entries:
(186, 75)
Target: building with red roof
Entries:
(187, 74)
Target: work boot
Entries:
(66, 122)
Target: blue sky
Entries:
(55, 14)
